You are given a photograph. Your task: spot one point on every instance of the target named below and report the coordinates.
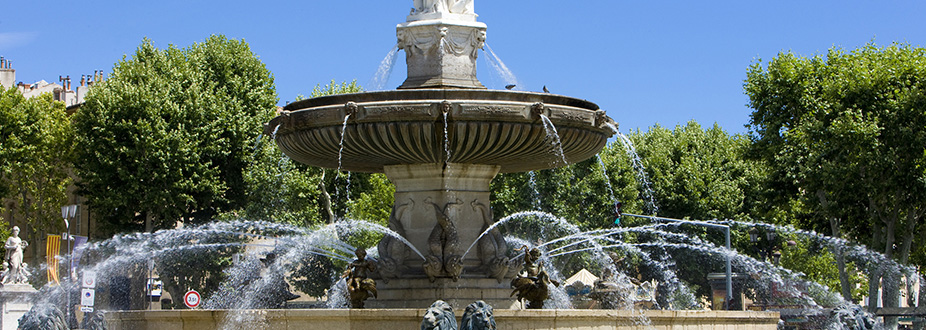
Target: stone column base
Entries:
(421, 293)
(16, 300)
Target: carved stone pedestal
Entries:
(441, 209)
(441, 52)
(16, 300)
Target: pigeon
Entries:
(545, 90)
(510, 87)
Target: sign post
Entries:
(86, 300)
(87, 292)
(88, 280)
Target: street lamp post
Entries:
(68, 212)
(767, 250)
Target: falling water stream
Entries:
(640, 171)
(337, 189)
(381, 78)
(500, 69)
(535, 193)
(553, 138)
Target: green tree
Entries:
(700, 173)
(280, 190)
(168, 136)
(35, 148)
(584, 193)
(815, 261)
(846, 135)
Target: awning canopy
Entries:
(584, 276)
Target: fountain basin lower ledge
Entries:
(507, 319)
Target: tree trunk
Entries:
(149, 222)
(874, 274)
(845, 286)
(905, 250)
(326, 199)
(920, 322)
(890, 280)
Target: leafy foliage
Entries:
(700, 173)
(313, 275)
(816, 263)
(36, 143)
(846, 135)
(168, 136)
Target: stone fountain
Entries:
(441, 138)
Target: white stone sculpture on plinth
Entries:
(441, 39)
(14, 269)
(443, 6)
(16, 294)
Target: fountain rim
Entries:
(442, 94)
(583, 125)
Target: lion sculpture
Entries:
(439, 317)
(478, 316)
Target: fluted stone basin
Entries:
(489, 127)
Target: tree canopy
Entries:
(168, 136)
(35, 148)
(846, 133)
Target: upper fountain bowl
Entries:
(418, 126)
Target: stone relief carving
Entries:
(351, 108)
(417, 42)
(492, 247)
(461, 44)
(538, 109)
(574, 117)
(602, 119)
(446, 257)
(447, 40)
(392, 251)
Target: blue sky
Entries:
(644, 62)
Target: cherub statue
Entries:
(359, 285)
(531, 285)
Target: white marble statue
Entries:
(13, 260)
(444, 6)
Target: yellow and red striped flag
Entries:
(51, 256)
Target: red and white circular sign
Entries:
(89, 280)
(192, 299)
